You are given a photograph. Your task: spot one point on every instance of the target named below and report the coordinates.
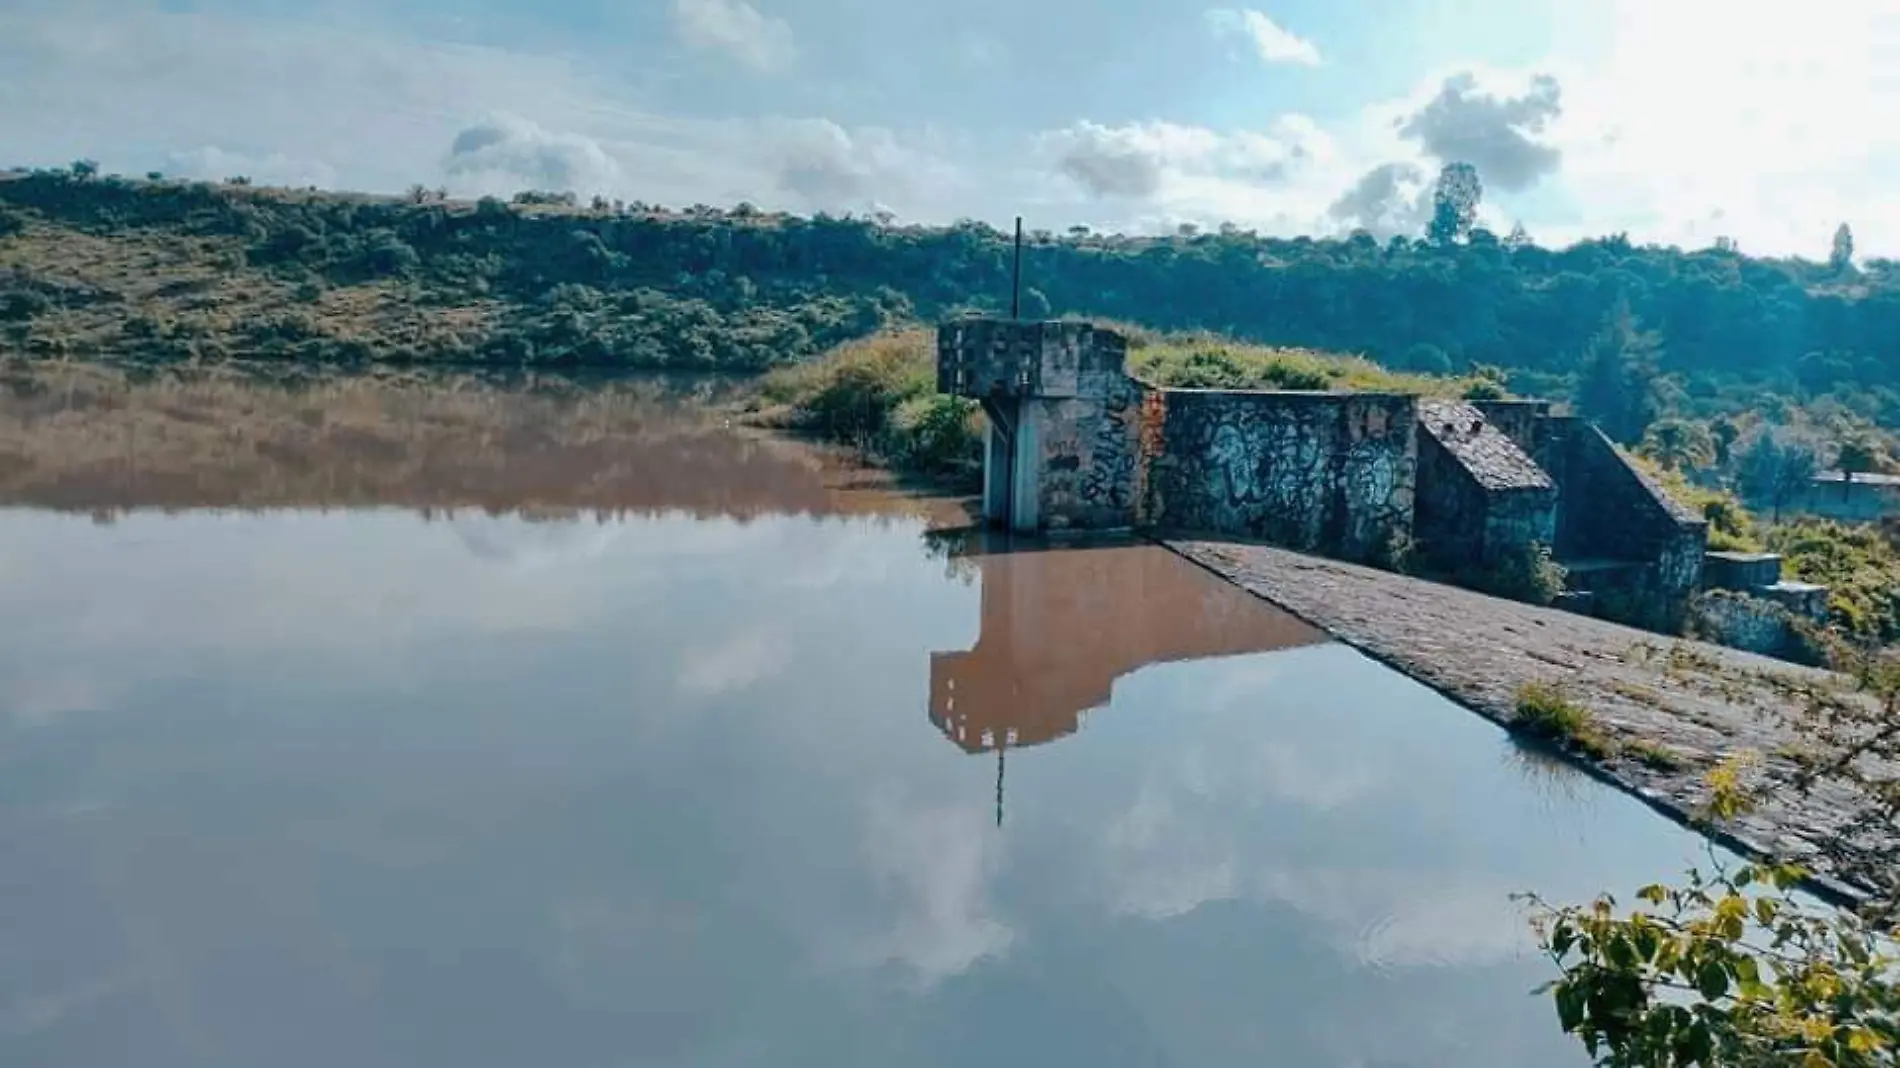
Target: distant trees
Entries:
(1618, 386)
(1680, 444)
(1775, 464)
(1585, 323)
(1841, 257)
(1454, 203)
(1859, 454)
(85, 168)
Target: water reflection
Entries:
(365, 788)
(79, 437)
(1060, 623)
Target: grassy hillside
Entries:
(105, 267)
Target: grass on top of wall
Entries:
(880, 393)
(1208, 361)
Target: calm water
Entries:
(364, 788)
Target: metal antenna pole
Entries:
(1016, 275)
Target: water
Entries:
(369, 787)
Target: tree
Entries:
(85, 168)
(1858, 454)
(1775, 464)
(1680, 444)
(1842, 256)
(1454, 203)
(1621, 375)
(1518, 238)
(1725, 431)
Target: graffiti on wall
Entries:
(1317, 473)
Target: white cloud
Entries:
(1272, 42)
(738, 29)
(1156, 174)
(505, 152)
(1691, 121)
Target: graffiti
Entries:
(1110, 481)
(1314, 473)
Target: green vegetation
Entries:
(1205, 361)
(1860, 565)
(1654, 755)
(99, 265)
(1528, 574)
(880, 395)
(1731, 968)
(1547, 714)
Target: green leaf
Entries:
(1569, 1007)
(1712, 980)
(1765, 910)
(1654, 893)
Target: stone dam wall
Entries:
(1332, 473)
(1077, 444)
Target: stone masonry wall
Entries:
(1326, 473)
(1091, 456)
(1611, 510)
(1480, 498)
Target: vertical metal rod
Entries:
(1016, 275)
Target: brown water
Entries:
(752, 768)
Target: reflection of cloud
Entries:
(1165, 867)
(535, 545)
(29, 1016)
(1396, 919)
(935, 863)
(37, 702)
(734, 664)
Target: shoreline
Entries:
(1702, 703)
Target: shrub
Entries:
(1547, 714)
(850, 393)
(1860, 566)
(1527, 574)
(937, 435)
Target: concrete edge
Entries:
(1829, 889)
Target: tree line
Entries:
(1634, 333)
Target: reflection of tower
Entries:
(1060, 625)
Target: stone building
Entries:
(1077, 444)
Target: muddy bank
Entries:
(1671, 709)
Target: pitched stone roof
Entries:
(1494, 460)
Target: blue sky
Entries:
(1675, 120)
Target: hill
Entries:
(110, 267)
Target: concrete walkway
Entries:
(1674, 708)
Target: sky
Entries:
(1675, 121)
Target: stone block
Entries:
(1739, 570)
